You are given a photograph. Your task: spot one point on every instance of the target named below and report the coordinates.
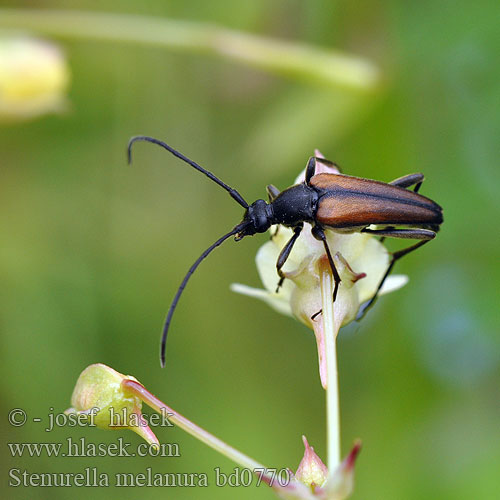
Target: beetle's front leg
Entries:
(285, 253)
(272, 192)
(319, 234)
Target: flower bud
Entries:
(311, 471)
(341, 484)
(34, 77)
(100, 394)
(313, 480)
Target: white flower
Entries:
(34, 77)
(361, 260)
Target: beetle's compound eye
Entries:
(261, 223)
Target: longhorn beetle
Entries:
(328, 200)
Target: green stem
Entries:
(332, 389)
(297, 60)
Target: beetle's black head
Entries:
(258, 218)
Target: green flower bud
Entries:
(34, 77)
(100, 394)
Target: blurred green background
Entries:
(92, 251)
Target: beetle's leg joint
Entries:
(315, 315)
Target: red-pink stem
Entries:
(176, 418)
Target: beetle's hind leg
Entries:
(408, 181)
(420, 234)
(285, 253)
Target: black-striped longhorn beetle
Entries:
(327, 200)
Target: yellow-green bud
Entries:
(100, 394)
(34, 77)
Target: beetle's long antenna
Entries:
(192, 269)
(234, 194)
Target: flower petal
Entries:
(393, 283)
(277, 301)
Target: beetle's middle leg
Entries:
(311, 166)
(424, 235)
(319, 234)
(285, 253)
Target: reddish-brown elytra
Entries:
(328, 200)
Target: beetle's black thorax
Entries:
(294, 205)
(291, 207)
